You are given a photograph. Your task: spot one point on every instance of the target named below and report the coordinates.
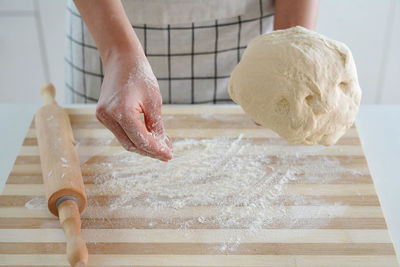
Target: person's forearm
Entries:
(109, 26)
(290, 13)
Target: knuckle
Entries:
(101, 112)
(117, 113)
(121, 112)
(153, 102)
(158, 102)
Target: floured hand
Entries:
(129, 89)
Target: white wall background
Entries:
(371, 28)
(31, 49)
(32, 46)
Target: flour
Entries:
(142, 72)
(218, 183)
(161, 139)
(37, 203)
(84, 154)
(240, 186)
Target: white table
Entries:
(378, 126)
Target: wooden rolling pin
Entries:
(62, 175)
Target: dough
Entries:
(299, 84)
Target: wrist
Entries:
(121, 48)
(128, 53)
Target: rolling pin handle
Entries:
(48, 93)
(70, 221)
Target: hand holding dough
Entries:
(299, 84)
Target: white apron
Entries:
(192, 46)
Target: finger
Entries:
(124, 140)
(256, 123)
(120, 134)
(170, 143)
(153, 118)
(154, 124)
(141, 138)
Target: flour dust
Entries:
(217, 183)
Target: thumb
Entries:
(153, 121)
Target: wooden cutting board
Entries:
(356, 236)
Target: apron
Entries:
(192, 46)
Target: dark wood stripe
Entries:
(207, 116)
(207, 249)
(15, 178)
(21, 160)
(143, 223)
(30, 142)
(345, 161)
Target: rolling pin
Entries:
(61, 171)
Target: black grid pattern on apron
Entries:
(216, 78)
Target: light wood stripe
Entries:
(201, 235)
(372, 200)
(272, 150)
(21, 177)
(204, 121)
(266, 141)
(190, 133)
(108, 260)
(92, 170)
(291, 190)
(353, 162)
(293, 212)
(206, 248)
(143, 223)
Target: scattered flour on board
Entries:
(37, 203)
(221, 183)
(224, 183)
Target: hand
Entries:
(130, 88)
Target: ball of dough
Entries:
(299, 84)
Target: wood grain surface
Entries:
(354, 236)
